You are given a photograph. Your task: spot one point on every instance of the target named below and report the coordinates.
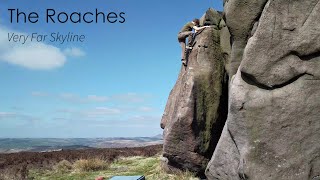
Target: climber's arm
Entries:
(199, 28)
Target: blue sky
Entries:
(116, 83)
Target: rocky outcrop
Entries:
(273, 126)
(241, 16)
(197, 106)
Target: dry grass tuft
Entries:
(86, 165)
(63, 166)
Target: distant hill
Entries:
(13, 145)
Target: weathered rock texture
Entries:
(197, 106)
(241, 16)
(273, 126)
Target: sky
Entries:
(114, 84)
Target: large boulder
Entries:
(273, 126)
(197, 106)
(240, 16)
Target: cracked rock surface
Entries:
(273, 126)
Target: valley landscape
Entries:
(35, 158)
(14, 145)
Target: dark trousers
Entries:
(182, 36)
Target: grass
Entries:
(63, 166)
(129, 166)
(87, 165)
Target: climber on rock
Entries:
(186, 32)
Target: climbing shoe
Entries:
(184, 62)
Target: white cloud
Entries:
(97, 112)
(146, 109)
(9, 116)
(30, 55)
(65, 110)
(120, 98)
(102, 111)
(74, 52)
(33, 55)
(95, 98)
(6, 114)
(134, 122)
(131, 97)
(142, 118)
(72, 98)
(69, 97)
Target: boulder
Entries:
(197, 107)
(240, 16)
(273, 126)
(211, 18)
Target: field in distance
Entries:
(13, 145)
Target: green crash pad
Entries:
(128, 178)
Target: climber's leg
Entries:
(182, 36)
(183, 50)
(190, 40)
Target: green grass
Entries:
(130, 166)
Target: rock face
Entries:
(197, 106)
(273, 126)
(241, 16)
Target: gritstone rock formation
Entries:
(197, 106)
(273, 126)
